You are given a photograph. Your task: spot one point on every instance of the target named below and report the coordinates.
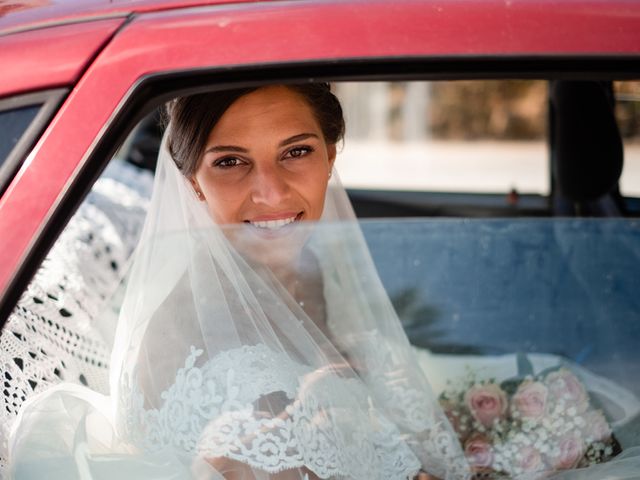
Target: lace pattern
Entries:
(398, 385)
(60, 329)
(431, 433)
(210, 411)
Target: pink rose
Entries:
(486, 403)
(478, 451)
(596, 426)
(565, 385)
(530, 400)
(570, 451)
(530, 460)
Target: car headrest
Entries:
(586, 142)
(145, 143)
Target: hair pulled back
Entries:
(192, 118)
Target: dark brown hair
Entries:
(192, 119)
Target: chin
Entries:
(274, 248)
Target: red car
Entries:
(79, 77)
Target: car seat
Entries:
(586, 149)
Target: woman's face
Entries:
(266, 163)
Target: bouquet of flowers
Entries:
(531, 424)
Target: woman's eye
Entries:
(227, 162)
(299, 152)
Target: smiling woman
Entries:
(266, 161)
(255, 339)
(253, 346)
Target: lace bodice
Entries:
(212, 411)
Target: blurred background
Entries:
(463, 136)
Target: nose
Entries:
(269, 187)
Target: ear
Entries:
(196, 188)
(331, 152)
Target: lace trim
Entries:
(210, 411)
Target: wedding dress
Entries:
(221, 369)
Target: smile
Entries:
(275, 224)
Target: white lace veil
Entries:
(215, 359)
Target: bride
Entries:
(255, 339)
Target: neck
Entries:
(297, 275)
(288, 276)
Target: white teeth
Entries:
(273, 224)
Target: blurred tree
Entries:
(501, 109)
(628, 109)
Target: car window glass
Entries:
(495, 302)
(13, 124)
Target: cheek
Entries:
(224, 204)
(316, 193)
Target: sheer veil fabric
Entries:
(246, 354)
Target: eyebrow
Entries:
(235, 148)
(297, 138)
(226, 148)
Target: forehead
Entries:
(274, 110)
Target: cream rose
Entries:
(530, 459)
(570, 451)
(486, 403)
(530, 400)
(564, 385)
